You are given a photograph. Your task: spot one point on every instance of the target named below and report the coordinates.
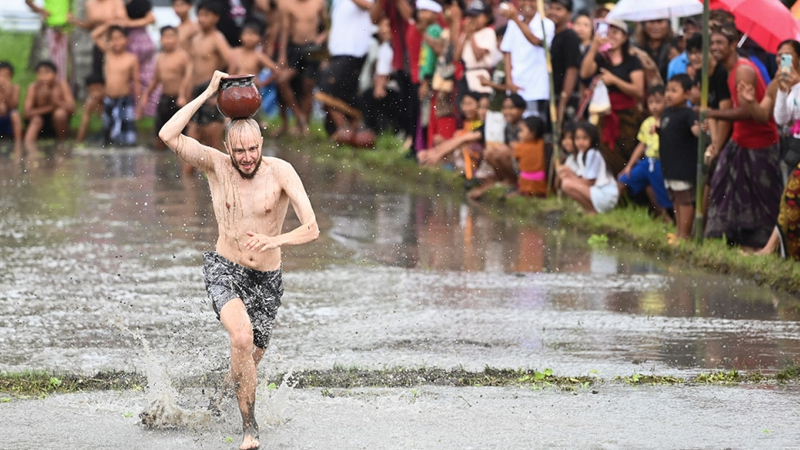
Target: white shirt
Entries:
(528, 61)
(351, 29)
(383, 64)
(595, 168)
(787, 107)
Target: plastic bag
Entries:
(601, 103)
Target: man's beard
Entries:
(247, 176)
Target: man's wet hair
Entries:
(684, 80)
(114, 28)
(46, 64)
(212, 7)
(517, 101)
(8, 66)
(95, 78)
(168, 28)
(185, 1)
(656, 90)
(237, 126)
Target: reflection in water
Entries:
(95, 212)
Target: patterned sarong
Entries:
(119, 121)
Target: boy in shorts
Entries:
(187, 28)
(122, 72)
(48, 104)
(173, 72)
(646, 173)
(678, 147)
(95, 93)
(10, 122)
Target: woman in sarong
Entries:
(140, 14)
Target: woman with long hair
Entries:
(623, 75)
(655, 38)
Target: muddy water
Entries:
(101, 249)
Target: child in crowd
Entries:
(10, 121)
(48, 105)
(529, 154)
(678, 147)
(646, 173)
(500, 156)
(513, 110)
(592, 185)
(248, 59)
(95, 93)
(122, 72)
(173, 72)
(568, 145)
(187, 28)
(457, 147)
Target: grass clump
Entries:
(28, 384)
(791, 373)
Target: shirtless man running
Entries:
(251, 195)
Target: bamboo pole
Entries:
(701, 141)
(554, 160)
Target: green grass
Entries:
(29, 384)
(15, 48)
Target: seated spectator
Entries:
(677, 142)
(122, 73)
(646, 173)
(48, 105)
(529, 154)
(592, 185)
(500, 156)
(455, 152)
(95, 93)
(10, 121)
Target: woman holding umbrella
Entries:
(623, 74)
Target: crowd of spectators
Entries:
(465, 83)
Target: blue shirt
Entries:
(677, 65)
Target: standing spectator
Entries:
(623, 74)
(566, 59)
(382, 102)
(655, 38)
(140, 14)
(677, 142)
(477, 46)
(584, 27)
(443, 121)
(100, 12)
(681, 63)
(55, 13)
(348, 46)
(746, 185)
(526, 64)
(188, 27)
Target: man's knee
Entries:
(242, 340)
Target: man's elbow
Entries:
(313, 230)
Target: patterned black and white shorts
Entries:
(260, 292)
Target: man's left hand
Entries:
(261, 242)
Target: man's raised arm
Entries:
(191, 151)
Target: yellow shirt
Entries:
(648, 135)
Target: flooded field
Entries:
(101, 251)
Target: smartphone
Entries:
(602, 29)
(786, 63)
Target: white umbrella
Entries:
(641, 10)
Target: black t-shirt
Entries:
(623, 70)
(677, 144)
(566, 52)
(717, 85)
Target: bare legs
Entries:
(60, 117)
(244, 359)
(576, 189)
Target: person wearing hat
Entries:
(477, 46)
(566, 57)
(623, 74)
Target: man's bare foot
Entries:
(250, 440)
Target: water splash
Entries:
(272, 409)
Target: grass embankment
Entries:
(27, 385)
(624, 226)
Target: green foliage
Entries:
(598, 241)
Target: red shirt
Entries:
(414, 47)
(750, 133)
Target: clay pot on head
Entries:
(238, 97)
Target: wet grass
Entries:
(627, 227)
(31, 384)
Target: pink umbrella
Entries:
(767, 22)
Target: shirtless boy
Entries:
(173, 72)
(210, 52)
(251, 195)
(122, 72)
(48, 105)
(300, 39)
(95, 93)
(187, 28)
(248, 60)
(10, 122)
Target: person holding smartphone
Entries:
(623, 74)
